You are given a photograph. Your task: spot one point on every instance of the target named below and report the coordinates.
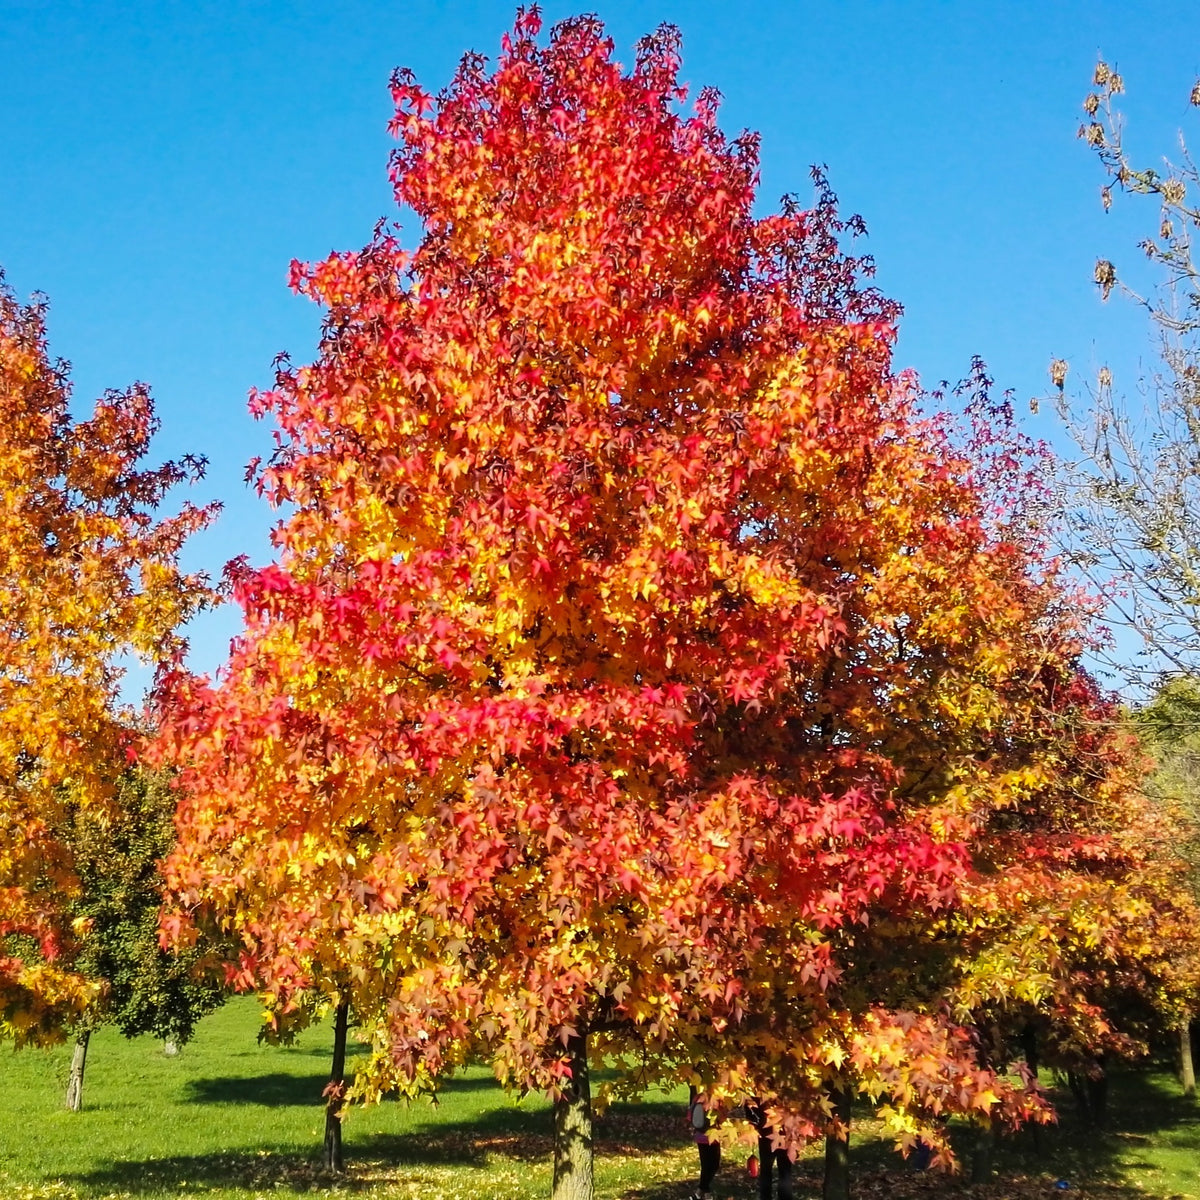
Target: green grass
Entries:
(230, 1118)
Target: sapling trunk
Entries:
(573, 1129)
(837, 1148)
(1096, 1084)
(335, 1093)
(1187, 1069)
(1030, 1047)
(78, 1063)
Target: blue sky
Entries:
(161, 164)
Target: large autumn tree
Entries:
(89, 575)
(635, 646)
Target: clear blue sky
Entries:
(161, 164)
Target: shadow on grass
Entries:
(526, 1135)
(1144, 1110)
(521, 1134)
(1097, 1163)
(283, 1089)
(273, 1091)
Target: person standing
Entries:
(771, 1161)
(707, 1146)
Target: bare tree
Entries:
(1133, 511)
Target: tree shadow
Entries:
(526, 1134)
(1096, 1162)
(509, 1131)
(630, 1128)
(683, 1189)
(1144, 1109)
(467, 1083)
(278, 1090)
(263, 1170)
(282, 1089)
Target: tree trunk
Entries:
(1187, 1071)
(573, 1129)
(837, 1148)
(75, 1079)
(1030, 1046)
(335, 1093)
(170, 1047)
(983, 1152)
(1097, 1092)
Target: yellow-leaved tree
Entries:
(88, 575)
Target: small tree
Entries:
(1169, 726)
(88, 575)
(144, 988)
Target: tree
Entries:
(1132, 521)
(144, 988)
(88, 575)
(636, 648)
(1081, 932)
(1136, 528)
(1170, 732)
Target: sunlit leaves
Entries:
(638, 659)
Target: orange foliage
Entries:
(639, 661)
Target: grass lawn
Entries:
(230, 1118)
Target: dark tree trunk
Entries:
(983, 1152)
(1187, 1070)
(335, 1093)
(1096, 1084)
(573, 1129)
(75, 1079)
(837, 1148)
(1030, 1047)
(1090, 1089)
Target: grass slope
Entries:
(232, 1119)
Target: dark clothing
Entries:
(710, 1160)
(769, 1159)
(708, 1149)
(781, 1160)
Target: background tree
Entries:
(1085, 928)
(1133, 518)
(116, 855)
(88, 575)
(1136, 491)
(1169, 727)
